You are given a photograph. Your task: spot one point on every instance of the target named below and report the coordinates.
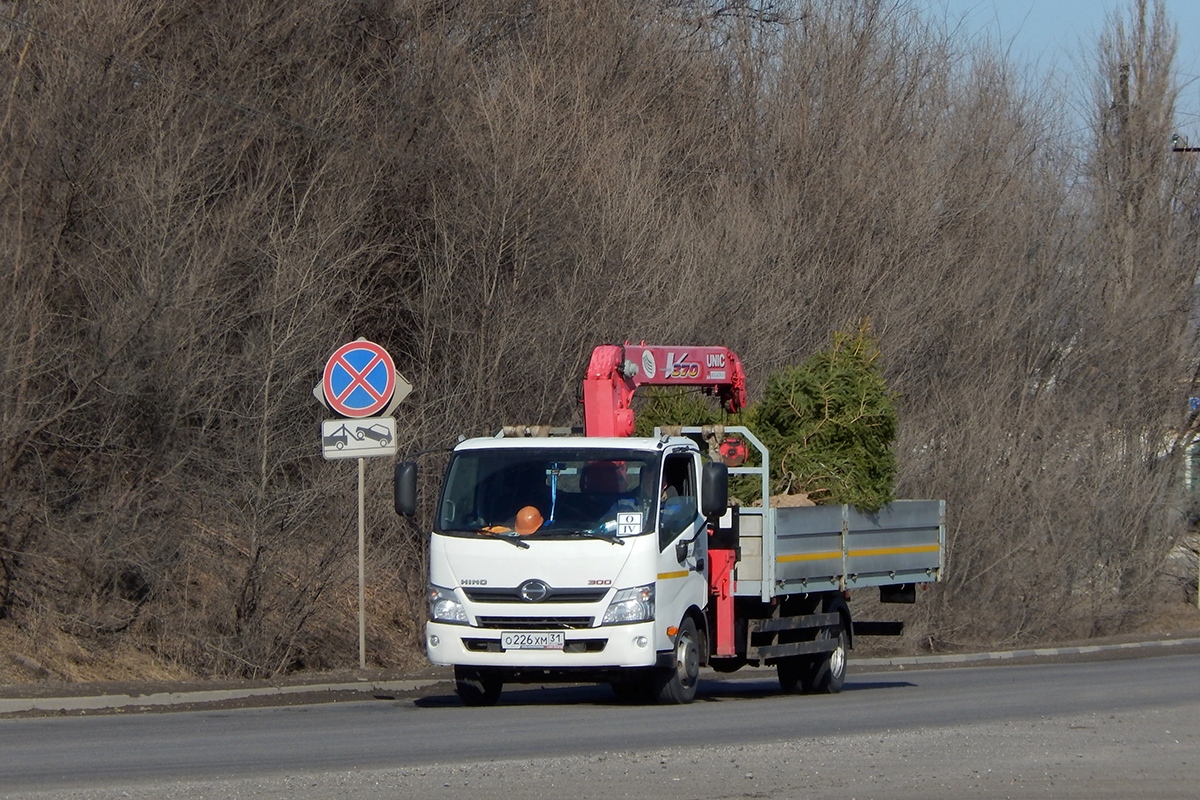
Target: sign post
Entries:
(358, 381)
(362, 570)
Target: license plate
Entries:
(532, 640)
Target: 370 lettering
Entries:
(679, 367)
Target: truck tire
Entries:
(677, 685)
(827, 672)
(477, 687)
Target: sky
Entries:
(1059, 37)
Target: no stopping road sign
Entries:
(359, 379)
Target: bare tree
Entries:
(203, 200)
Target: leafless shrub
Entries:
(203, 200)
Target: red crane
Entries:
(615, 372)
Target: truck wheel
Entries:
(678, 685)
(827, 672)
(477, 687)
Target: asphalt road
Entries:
(1114, 728)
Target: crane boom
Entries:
(615, 372)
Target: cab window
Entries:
(677, 501)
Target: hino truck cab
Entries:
(571, 559)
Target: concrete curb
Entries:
(1013, 655)
(108, 702)
(16, 705)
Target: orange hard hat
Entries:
(529, 519)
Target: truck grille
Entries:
(574, 646)
(489, 594)
(534, 623)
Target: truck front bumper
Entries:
(608, 646)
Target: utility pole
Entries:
(1128, 190)
(1180, 144)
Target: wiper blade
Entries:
(602, 533)
(512, 537)
(520, 544)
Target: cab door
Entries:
(682, 543)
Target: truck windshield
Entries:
(551, 493)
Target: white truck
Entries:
(618, 559)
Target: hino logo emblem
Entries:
(534, 591)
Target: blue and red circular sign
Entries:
(359, 379)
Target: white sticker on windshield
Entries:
(629, 523)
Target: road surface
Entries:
(1119, 728)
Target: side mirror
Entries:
(405, 488)
(714, 488)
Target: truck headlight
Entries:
(631, 605)
(444, 606)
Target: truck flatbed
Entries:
(818, 548)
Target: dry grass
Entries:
(194, 218)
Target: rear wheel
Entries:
(477, 687)
(796, 672)
(827, 672)
(678, 684)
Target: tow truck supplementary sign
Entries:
(359, 379)
(358, 438)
